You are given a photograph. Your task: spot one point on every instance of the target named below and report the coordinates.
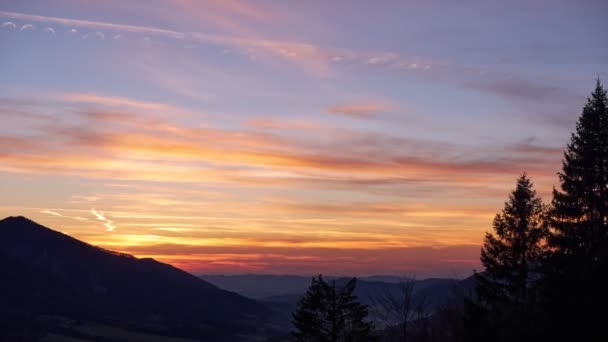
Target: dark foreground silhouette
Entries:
(53, 283)
(57, 288)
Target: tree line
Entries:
(545, 265)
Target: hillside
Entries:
(47, 273)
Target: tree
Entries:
(329, 314)
(308, 320)
(511, 257)
(578, 262)
(580, 210)
(399, 308)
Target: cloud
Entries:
(98, 35)
(519, 88)
(264, 123)
(234, 16)
(362, 109)
(50, 212)
(26, 27)
(9, 25)
(383, 58)
(110, 226)
(116, 101)
(313, 58)
(49, 30)
(175, 229)
(120, 139)
(57, 214)
(424, 261)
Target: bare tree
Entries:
(397, 307)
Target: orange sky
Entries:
(231, 137)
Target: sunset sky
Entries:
(300, 137)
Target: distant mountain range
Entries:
(48, 274)
(262, 286)
(282, 292)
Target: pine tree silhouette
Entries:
(576, 280)
(308, 319)
(511, 256)
(580, 209)
(329, 314)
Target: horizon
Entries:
(226, 137)
(364, 276)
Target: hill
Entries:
(49, 274)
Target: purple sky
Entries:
(289, 136)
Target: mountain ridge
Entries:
(54, 274)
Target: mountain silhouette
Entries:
(282, 292)
(47, 273)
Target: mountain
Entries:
(49, 274)
(283, 291)
(260, 286)
(263, 286)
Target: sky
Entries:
(289, 137)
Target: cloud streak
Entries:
(50, 212)
(120, 144)
(362, 110)
(313, 58)
(109, 224)
(26, 27)
(9, 25)
(424, 260)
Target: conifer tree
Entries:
(329, 314)
(308, 319)
(576, 275)
(514, 251)
(511, 256)
(580, 209)
(356, 328)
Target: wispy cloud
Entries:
(26, 27)
(265, 123)
(314, 58)
(117, 102)
(233, 16)
(50, 212)
(118, 144)
(110, 226)
(422, 260)
(517, 88)
(57, 214)
(362, 109)
(9, 25)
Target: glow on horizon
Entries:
(311, 137)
